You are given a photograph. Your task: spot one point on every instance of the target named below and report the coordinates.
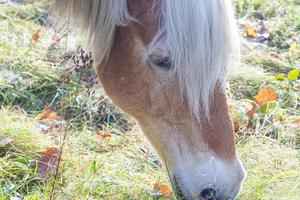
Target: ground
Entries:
(105, 156)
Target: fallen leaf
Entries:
(103, 134)
(5, 141)
(280, 77)
(251, 112)
(47, 163)
(49, 150)
(265, 95)
(251, 31)
(36, 36)
(163, 189)
(47, 114)
(293, 74)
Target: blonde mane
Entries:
(97, 20)
(200, 36)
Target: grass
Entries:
(273, 169)
(31, 71)
(93, 170)
(123, 166)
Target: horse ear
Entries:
(96, 20)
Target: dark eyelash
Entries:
(162, 62)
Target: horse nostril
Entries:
(208, 194)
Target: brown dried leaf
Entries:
(163, 188)
(36, 36)
(103, 134)
(47, 163)
(251, 112)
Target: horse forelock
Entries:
(200, 36)
(202, 40)
(97, 19)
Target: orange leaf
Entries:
(163, 188)
(251, 31)
(103, 134)
(36, 36)
(52, 115)
(47, 163)
(47, 114)
(265, 95)
(49, 151)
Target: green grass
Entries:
(31, 71)
(273, 169)
(15, 172)
(124, 166)
(93, 170)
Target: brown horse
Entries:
(164, 62)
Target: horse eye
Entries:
(161, 61)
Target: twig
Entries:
(62, 110)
